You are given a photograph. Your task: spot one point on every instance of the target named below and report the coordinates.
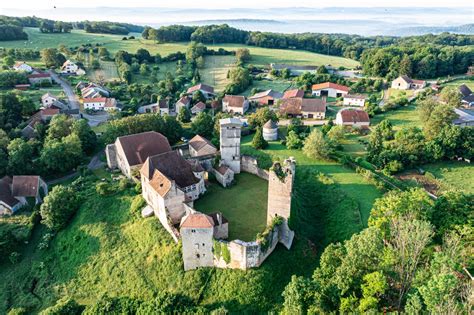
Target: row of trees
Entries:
(20, 53)
(410, 259)
(110, 27)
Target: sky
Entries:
(46, 4)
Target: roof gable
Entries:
(197, 221)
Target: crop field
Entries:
(244, 204)
(260, 56)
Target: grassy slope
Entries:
(107, 249)
(244, 205)
(453, 175)
(406, 116)
(260, 56)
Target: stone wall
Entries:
(248, 164)
(111, 153)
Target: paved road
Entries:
(72, 97)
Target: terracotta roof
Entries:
(110, 102)
(140, 146)
(46, 95)
(201, 87)
(295, 106)
(330, 85)
(173, 166)
(199, 106)
(39, 75)
(202, 145)
(6, 192)
(198, 221)
(222, 169)
(184, 100)
(234, 100)
(270, 124)
(417, 81)
(95, 100)
(293, 93)
(160, 183)
(25, 186)
(354, 115)
(49, 111)
(215, 104)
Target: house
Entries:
(268, 97)
(464, 90)
(465, 117)
(128, 153)
(200, 146)
(92, 90)
(236, 104)
(354, 100)
(206, 90)
(197, 230)
(100, 103)
(224, 175)
(15, 190)
(40, 78)
(293, 93)
(329, 89)
(467, 97)
(184, 101)
(162, 107)
(303, 107)
(172, 167)
(198, 108)
(352, 117)
(22, 66)
(48, 113)
(404, 82)
(48, 99)
(270, 131)
(70, 67)
(435, 87)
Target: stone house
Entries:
(230, 143)
(354, 100)
(404, 82)
(22, 66)
(197, 230)
(224, 175)
(236, 104)
(184, 101)
(48, 99)
(352, 117)
(270, 131)
(40, 78)
(162, 107)
(200, 146)
(15, 191)
(128, 153)
(221, 226)
(206, 90)
(293, 93)
(266, 98)
(329, 89)
(312, 108)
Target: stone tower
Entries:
(230, 143)
(280, 190)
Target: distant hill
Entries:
(467, 29)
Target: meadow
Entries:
(406, 116)
(452, 175)
(244, 205)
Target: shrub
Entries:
(124, 183)
(64, 306)
(103, 188)
(14, 257)
(59, 206)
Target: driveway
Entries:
(72, 97)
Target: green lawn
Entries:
(277, 85)
(394, 93)
(458, 82)
(453, 175)
(260, 56)
(406, 116)
(332, 201)
(244, 205)
(107, 72)
(109, 249)
(215, 71)
(352, 146)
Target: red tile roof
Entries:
(39, 75)
(95, 100)
(294, 106)
(25, 186)
(234, 100)
(330, 85)
(201, 87)
(49, 111)
(198, 221)
(354, 115)
(293, 93)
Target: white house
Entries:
(70, 67)
(48, 99)
(111, 104)
(354, 100)
(96, 103)
(352, 117)
(184, 101)
(22, 66)
(206, 90)
(236, 104)
(404, 82)
(15, 190)
(329, 89)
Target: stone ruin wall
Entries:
(249, 164)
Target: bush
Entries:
(59, 206)
(103, 188)
(64, 306)
(124, 183)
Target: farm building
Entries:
(352, 117)
(329, 89)
(235, 104)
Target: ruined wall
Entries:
(111, 154)
(248, 164)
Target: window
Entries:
(193, 231)
(198, 256)
(196, 246)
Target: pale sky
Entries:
(46, 4)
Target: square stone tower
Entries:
(230, 143)
(197, 231)
(280, 190)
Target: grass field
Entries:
(406, 116)
(332, 202)
(244, 205)
(215, 71)
(277, 85)
(393, 93)
(458, 82)
(109, 249)
(453, 175)
(260, 56)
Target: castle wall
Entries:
(111, 154)
(248, 164)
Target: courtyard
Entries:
(244, 205)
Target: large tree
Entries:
(317, 145)
(58, 207)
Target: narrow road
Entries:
(72, 97)
(94, 163)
